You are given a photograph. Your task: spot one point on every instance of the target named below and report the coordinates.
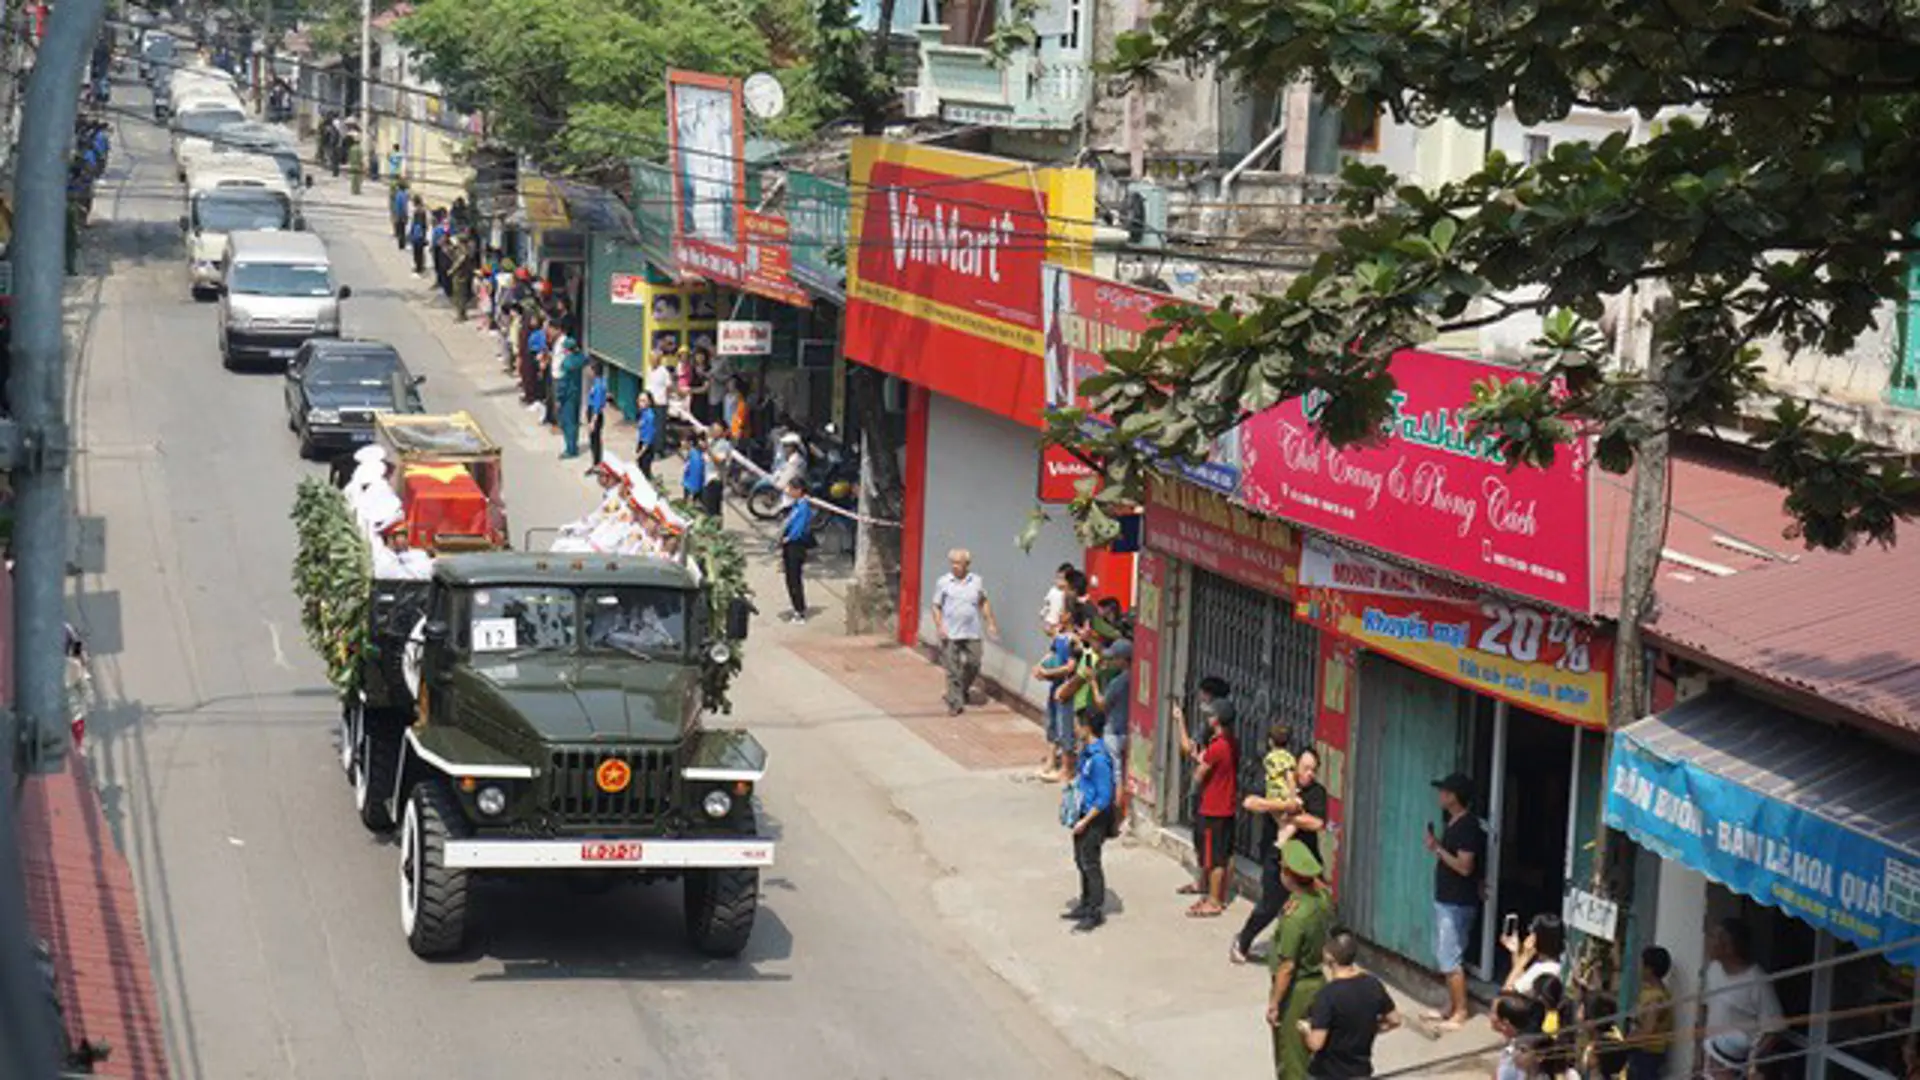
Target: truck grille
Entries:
(573, 795)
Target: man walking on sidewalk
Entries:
(960, 612)
(796, 539)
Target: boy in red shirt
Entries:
(1216, 769)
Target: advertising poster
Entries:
(768, 269)
(1544, 661)
(1085, 316)
(1203, 528)
(627, 290)
(1143, 716)
(1428, 491)
(736, 338)
(943, 282)
(706, 148)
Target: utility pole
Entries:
(366, 93)
(34, 447)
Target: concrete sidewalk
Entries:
(1151, 995)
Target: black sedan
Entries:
(335, 387)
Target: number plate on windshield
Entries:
(610, 851)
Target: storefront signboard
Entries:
(1143, 717)
(1544, 661)
(1427, 490)
(817, 214)
(1822, 873)
(745, 338)
(1203, 528)
(768, 268)
(706, 148)
(1060, 475)
(943, 283)
(627, 290)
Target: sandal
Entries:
(1206, 909)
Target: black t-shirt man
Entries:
(1462, 834)
(1313, 800)
(1349, 1011)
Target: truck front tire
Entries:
(433, 898)
(376, 757)
(720, 908)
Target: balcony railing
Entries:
(1029, 90)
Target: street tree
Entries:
(581, 84)
(1770, 201)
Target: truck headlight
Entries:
(719, 652)
(323, 416)
(491, 800)
(717, 804)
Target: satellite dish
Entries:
(765, 97)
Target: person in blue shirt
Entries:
(651, 423)
(1055, 669)
(572, 364)
(396, 162)
(596, 406)
(397, 210)
(693, 479)
(796, 539)
(1093, 819)
(417, 237)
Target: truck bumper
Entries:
(608, 854)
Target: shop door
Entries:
(1251, 640)
(1536, 785)
(1413, 729)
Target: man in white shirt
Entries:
(960, 613)
(660, 380)
(1743, 1020)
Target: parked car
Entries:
(336, 386)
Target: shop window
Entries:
(1536, 149)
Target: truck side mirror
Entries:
(345, 291)
(739, 618)
(184, 223)
(434, 632)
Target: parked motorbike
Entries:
(832, 474)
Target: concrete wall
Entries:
(982, 472)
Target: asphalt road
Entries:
(272, 914)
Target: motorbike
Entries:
(832, 474)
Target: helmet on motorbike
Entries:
(841, 489)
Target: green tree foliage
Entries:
(1777, 206)
(581, 84)
(333, 580)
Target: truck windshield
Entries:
(225, 210)
(507, 619)
(637, 620)
(278, 279)
(206, 123)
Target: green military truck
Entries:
(525, 713)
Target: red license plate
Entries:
(610, 851)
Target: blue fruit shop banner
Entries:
(1827, 875)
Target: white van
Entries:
(277, 289)
(201, 118)
(226, 196)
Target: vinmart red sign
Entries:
(1427, 490)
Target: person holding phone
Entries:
(1459, 848)
(1535, 956)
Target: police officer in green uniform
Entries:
(1295, 958)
